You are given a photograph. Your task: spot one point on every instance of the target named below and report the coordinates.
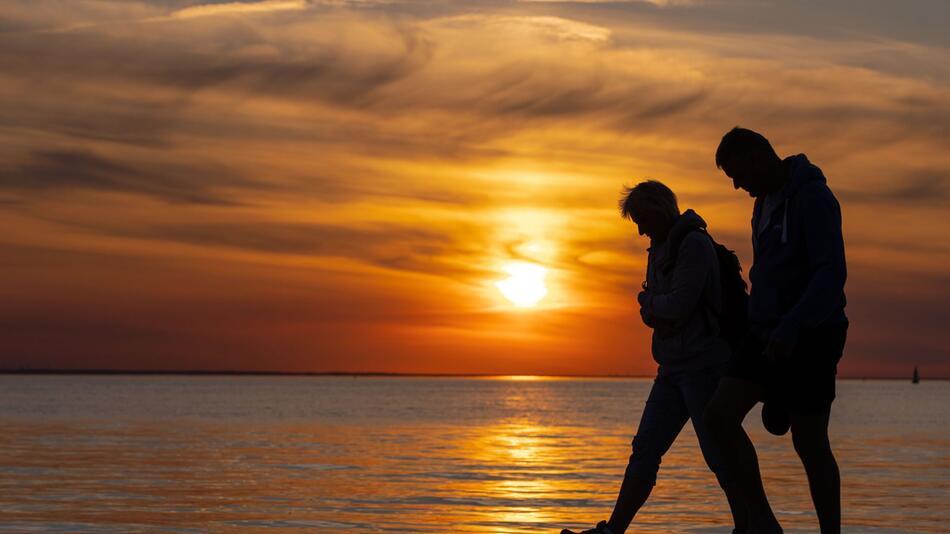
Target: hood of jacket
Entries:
(800, 172)
(687, 222)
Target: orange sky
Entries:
(338, 186)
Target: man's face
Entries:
(650, 224)
(747, 174)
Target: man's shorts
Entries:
(804, 383)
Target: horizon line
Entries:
(211, 372)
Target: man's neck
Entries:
(778, 178)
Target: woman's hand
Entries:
(647, 318)
(644, 298)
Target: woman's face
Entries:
(653, 224)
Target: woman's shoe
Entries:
(601, 528)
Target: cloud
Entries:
(920, 188)
(239, 8)
(558, 28)
(414, 248)
(657, 3)
(298, 238)
(191, 59)
(47, 170)
(535, 72)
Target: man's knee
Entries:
(810, 436)
(644, 461)
(811, 444)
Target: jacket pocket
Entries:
(668, 350)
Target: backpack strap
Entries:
(674, 248)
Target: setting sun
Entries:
(525, 285)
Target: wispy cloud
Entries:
(658, 3)
(48, 170)
(238, 8)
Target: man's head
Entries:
(749, 159)
(652, 207)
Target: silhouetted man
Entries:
(797, 325)
(680, 300)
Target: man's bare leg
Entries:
(724, 414)
(810, 437)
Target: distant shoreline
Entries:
(134, 372)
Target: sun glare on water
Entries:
(524, 286)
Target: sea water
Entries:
(81, 453)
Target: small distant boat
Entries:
(916, 379)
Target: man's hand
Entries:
(643, 298)
(778, 350)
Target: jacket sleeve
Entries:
(693, 266)
(824, 247)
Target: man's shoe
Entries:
(601, 528)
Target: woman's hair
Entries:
(650, 195)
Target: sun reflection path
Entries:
(529, 471)
(525, 378)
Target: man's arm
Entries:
(824, 246)
(693, 265)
